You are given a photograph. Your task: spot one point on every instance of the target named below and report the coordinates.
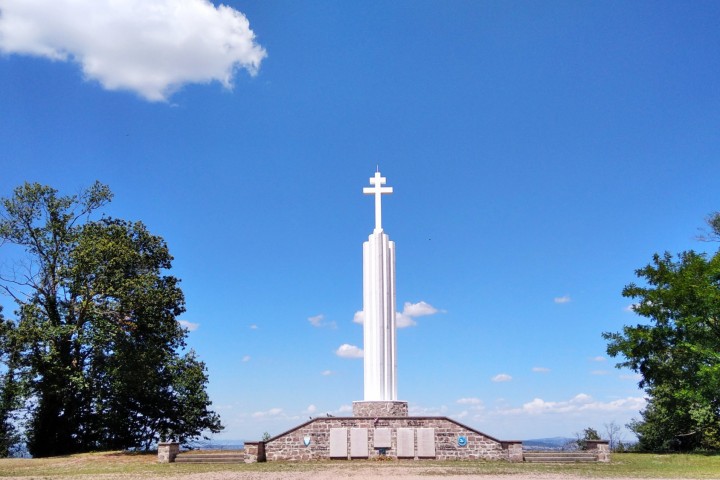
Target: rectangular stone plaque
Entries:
(405, 443)
(338, 443)
(382, 438)
(359, 442)
(426, 442)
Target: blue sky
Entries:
(539, 152)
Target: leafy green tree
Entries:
(98, 341)
(587, 434)
(677, 352)
(9, 388)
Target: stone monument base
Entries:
(380, 408)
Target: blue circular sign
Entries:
(462, 441)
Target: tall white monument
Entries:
(379, 304)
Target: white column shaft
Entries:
(379, 308)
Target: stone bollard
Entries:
(601, 448)
(167, 451)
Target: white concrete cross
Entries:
(377, 189)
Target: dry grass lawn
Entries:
(125, 466)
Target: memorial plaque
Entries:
(382, 438)
(426, 442)
(338, 443)
(359, 442)
(405, 443)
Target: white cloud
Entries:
(599, 372)
(599, 358)
(311, 409)
(403, 321)
(406, 318)
(189, 325)
(246, 358)
(345, 409)
(150, 47)
(579, 403)
(502, 377)
(349, 351)
(273, 412)
(636, 377)
(540, 369)
(563, 299)
(419, 309)
(469, 401)
(326, 373)
(316, 321)
(253, 327)
(319, 321)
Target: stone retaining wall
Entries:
(452, 440)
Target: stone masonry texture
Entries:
(290, 446)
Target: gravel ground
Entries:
(370, 473)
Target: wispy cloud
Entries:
(246, 358)
(563, 299)
(580, 403)
(598, 359)
(540, 370)
(318, 321)
(150, 47)
(501, 377)
(349, 351)
(636, 377)
(273, 412)
(407, 317)
(469, 401)
(311, 409)
(599, 372)
(190, 326)
(326, 373)
(253, 327)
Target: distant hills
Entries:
(555, 443)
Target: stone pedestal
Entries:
(601, 448)
(167, 451)
(380, 409)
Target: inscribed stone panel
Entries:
(338, 443)
(405, 443)
(359, 442)
(426, 442)
(382, 438)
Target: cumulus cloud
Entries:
(563, 299)
(502, 377)
(349, 351)
(540, 369)
(419, 309)
(190, 326)
(469, 401)
(406, 318)
(150, 47)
